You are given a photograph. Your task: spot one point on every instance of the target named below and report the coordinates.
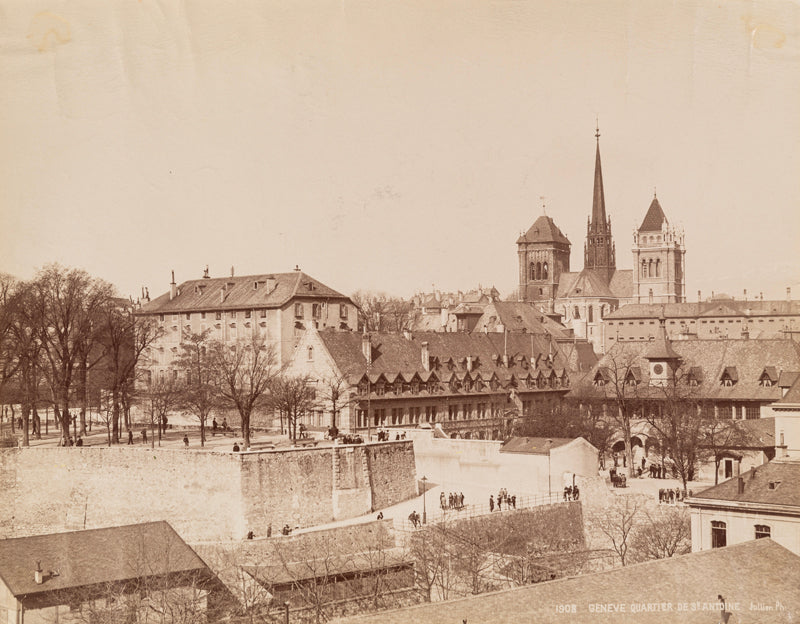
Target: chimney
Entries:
(426, 357)
(222, 294)
(788, 293)
(231, 270)
(741, 485)
(173, 288)
(147, 293)
(699, 296)
(761, 295)
(366, 348)
(745, 294)
(38, 575)
(469, 363)
(270, 283)
(205, 273)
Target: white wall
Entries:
(740, 527)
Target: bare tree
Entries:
(616, 522)
(161, 396)
(380, 312)
(334, 391)
(722, 435)
(244, 373)
(662, 533)
(293, 396)
(199, 390)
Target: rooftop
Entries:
(773, 483)
(84, 558)
(644, 593)
(533, 446)
(544, 230)
(270, 290)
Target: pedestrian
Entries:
(514, 501)
(412, 518)
(491, 503)
(461, 500)
(269, 530)
(214, 427)
(185, 441)
(441, 500)
(380, 515)
(225, 424)
(235, 447)
(144, 436)
(79, 441)
(164, 421)
(130, 436)
(644, 463)
(575, 493)
(566, 492)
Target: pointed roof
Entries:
(660, 348)
(654, 218)
(544, 230)
(598, 197)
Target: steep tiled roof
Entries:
(96, 556)
(392, 353)
(239, 292)
(654, 218)
(707, 308)
(645, 593)
(712, 357)
(598, 197)
(533, 446)
(516, 316)
(592, 283)
(660, 348)
(774, 483)
(760, 432)
(544, 230)
(793, 395)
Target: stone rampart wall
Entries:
(205, 495)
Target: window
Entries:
(452, 412)
(342, 311)
(298, 310)
(202, 315)
(161, 317)
(380, 388)
(188, 316)
(218, 316)
(316, 310)
(590, 314)
(762, 530)
(726, 410)
(752, 412)
(397, 415)
(263, 313)
(718, 539)
(247, 314)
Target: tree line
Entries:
(69, 343)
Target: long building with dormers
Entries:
(277, 306)
(471, 385)
(583, 298)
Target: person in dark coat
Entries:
(130, 436)
(235, 447)
(491, 502)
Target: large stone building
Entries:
(724, 379)
(471, 385)
(585, 297)
(277, 306)
(719, 317)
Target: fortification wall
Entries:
(206, 495)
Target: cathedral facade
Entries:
(583, 298)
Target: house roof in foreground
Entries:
(95, 556)
(623, 595)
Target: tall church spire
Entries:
(598, 199)
(599, 250)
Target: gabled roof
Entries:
(654, 218)
(711, 357)
(771, 373)
(533, 446)
(731, 373)
(661, 347)
(792, 396)
(650, 593)
(518, 316)
(730, 307)
(788, 378)
(240, 293)
(96, 556)
(592, 283)
(757, 489)
(544, 230)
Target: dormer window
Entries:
(380, 389)
(769, 377)
(729, 376)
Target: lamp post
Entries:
(424, 509)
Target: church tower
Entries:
(658, 259)
(543, 256)
(599, 253)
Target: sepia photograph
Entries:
(436, 311)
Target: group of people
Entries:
(571, 492)
(657, 471)
(216, 427)
(670, 496)
(347, 438)
(384, 435)
(502, 497)
(617, 480)
(71, 442)
(451, 501)
(414, 519)
(130, 436)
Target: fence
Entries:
(436, 514)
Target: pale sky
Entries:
(394, 145)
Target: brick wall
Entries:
(205, 495)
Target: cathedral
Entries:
(583, 298)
